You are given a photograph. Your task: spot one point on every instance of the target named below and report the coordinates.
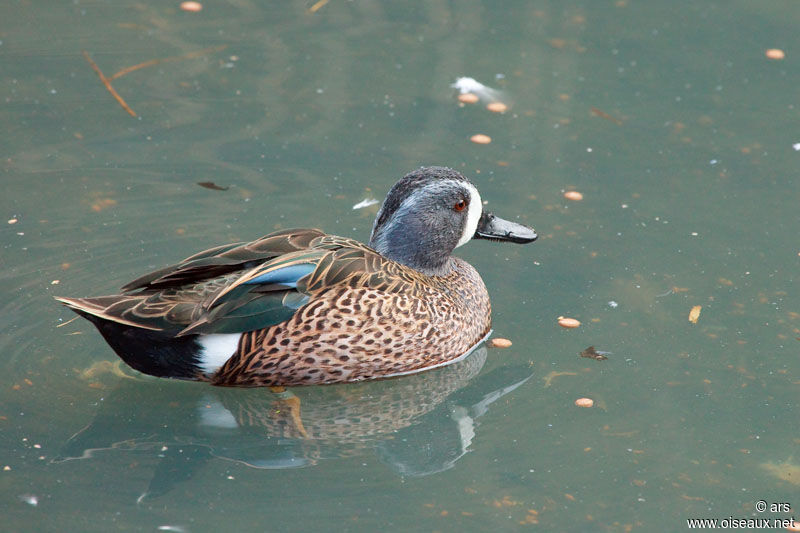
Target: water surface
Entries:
(667, 116)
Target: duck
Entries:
(302, 307)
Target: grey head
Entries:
(430, 212)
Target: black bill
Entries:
(496, 229)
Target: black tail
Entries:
(157, 353)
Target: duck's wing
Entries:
(244, 287)
(272, 291)
(172, 298)
(222, 260)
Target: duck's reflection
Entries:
(417, 425)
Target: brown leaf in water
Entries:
(602, 114)
(211, 185)
(591, 353)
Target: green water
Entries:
(691, 190)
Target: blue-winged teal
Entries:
(300, 307)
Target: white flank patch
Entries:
(216, 348)
(474, 215)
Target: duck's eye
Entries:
(460, 205)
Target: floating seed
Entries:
(500, 343)
(584, 402)
(569, 323)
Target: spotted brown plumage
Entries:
(366, 325)
(300, 307)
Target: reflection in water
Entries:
(417, 425)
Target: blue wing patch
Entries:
(288, 275)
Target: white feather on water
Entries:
(487, 94)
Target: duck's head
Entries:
(432, 211)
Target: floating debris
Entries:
(107, 83)
(694, 314)
(591, 353)
(499, 342)
(191, 7)
(106, 80)
(788, 470)
(366, 202)
(775, 53)
(569, 323)
(30, 499)
(319, 5)
(584, 402)
(548, 379)
(673, 290)
(101, 204)
(211, 185)
(480, 138)
(67, 322)
(99, 368)
(602, 114)
(466, 85)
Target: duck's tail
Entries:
(149, 350)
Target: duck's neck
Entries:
(424, 257)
